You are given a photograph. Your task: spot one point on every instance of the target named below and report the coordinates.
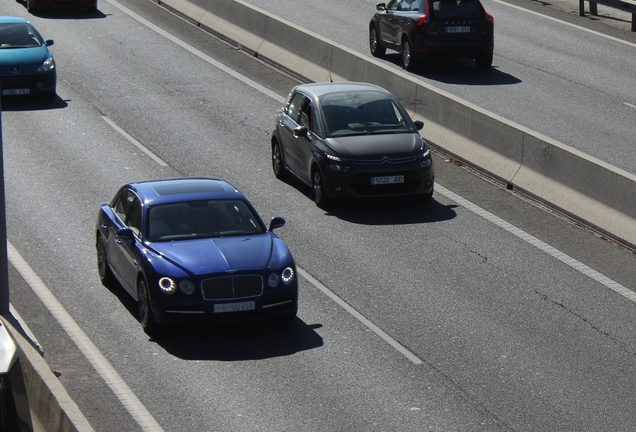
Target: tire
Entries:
(427, 198)
(105, 273)
(278, 164)
(484, 62)
(374, 43)
(9, 418)
(320, 195)
(146, 319)
(408, 62)
(30, 7)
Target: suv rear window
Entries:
(456, 9)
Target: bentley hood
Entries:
(221, 254)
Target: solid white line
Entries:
(103, 367)
(198, 53)
(395, 344)
(629, 105)
(566, 259)
(566, 23)
(134, 141)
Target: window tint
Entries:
(196, 219)
(128, 208)
(408, 5)
(447, 9)
(19, 35)
(353, 113)
(295, 104)
(394, 5)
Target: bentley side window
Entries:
(128, 209)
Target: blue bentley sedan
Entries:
(195, 250)
(26, 64)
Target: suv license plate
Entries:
(462, 29)
(387, 180)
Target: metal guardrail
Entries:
(626, 5)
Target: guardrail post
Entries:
(593, 8)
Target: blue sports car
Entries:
(26, 64)
(195, 250)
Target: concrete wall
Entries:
(52, 409)
(583, 187)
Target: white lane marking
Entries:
(566, 23)
(199, 54)
(103, 367)
(629, 105)
(400, 348)
(139, 145)
(566, 259)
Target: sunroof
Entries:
(188, 186)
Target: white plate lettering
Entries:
(462, 29)
(387, 180)
(234, 307)
(14, 92)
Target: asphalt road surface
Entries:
(482, 311)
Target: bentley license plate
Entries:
(458, 29)
(387, 180)
(234, 307)
(15, 92)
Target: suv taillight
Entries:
(424, 18)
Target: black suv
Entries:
(421, 29)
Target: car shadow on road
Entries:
(236, 342)
(458, 71)
(31, 103)
(79, 14)
(382, 211)
(229, 342)
(392, 211)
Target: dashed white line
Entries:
(395, 344)
(139, 145)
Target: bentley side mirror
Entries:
(276, 222)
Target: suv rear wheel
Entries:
(374, 43)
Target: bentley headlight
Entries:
(186, 287)
(287, 276)
(49, 64)
(167, 285)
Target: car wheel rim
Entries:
(406, 54)
(101, 258)
(317, 187)
(373, 41)
(276, 159)
(143, 304)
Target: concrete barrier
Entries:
(52, 409)
(585, 188)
